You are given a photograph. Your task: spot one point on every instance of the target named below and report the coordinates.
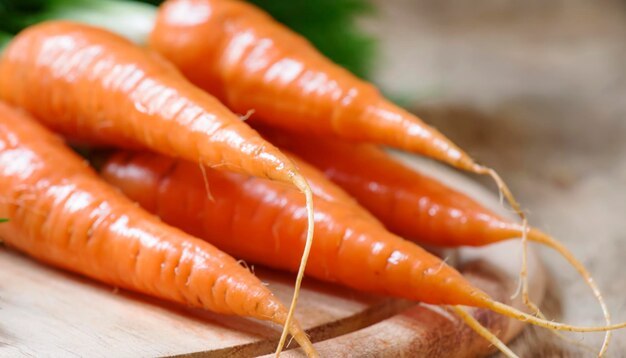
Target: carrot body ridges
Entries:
(246, 59)
(62, 213)
(263, 222)
(92, 85)
(409, 203)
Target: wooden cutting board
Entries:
(47, 312)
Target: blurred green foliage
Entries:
(4, 39)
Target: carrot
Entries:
(63, 214)
(410, 204)
(262, 222)
(91, 85)
(249, 61)
(413, 205)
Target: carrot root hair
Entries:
(482, 331)
(300, 336)
(546, 240)
(567, 339)
(513, 312)
(207, 188)
(301, 184)
(508, 195)
(537, 236)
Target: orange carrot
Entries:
(63, 214)
(414, 205)
(263, 223)
(325, 189)
(91, 85)
(260, 221)
(410, 204)
(249, 61)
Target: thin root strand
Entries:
(540, 237)
(512, 312)
(482, 331)
(301, 183)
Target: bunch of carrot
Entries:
(94, 87)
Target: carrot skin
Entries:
(410, 204)
(62, 213)
(92, 85)
(249, 61)
(263, 222)
(325, 189)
